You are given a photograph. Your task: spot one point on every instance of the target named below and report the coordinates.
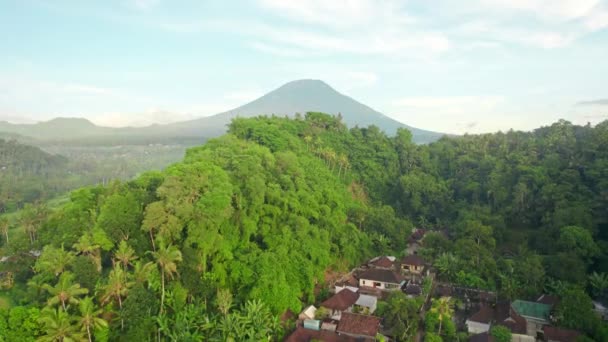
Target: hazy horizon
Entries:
(442, 65)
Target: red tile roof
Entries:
(306, 335)
(548, 299)
(382, 262)
(385, 276)
(483, 337)
(341, 300)
(413, 259)
(559, 334)
(484, 315)
(360, 325)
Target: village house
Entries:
(342, 301)
(481, 322)
(382, 262)
(536, 315)
(412, 264)
(308, 313)
(380, 279)
(362, 327)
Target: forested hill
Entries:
(28, 174)
(248, 223)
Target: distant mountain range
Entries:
(294, 97)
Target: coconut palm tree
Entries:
(90, 317)
(142, 271)
(444, 307)
(167, 257)
(53, 260)
(599, 284)
(87, 247)
(58, 326)
(125, 254)
(117, 287)
(65, 291)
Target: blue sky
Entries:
(446, 65)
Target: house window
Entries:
(363, 282)
(377, 284)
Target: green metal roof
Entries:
(532, 309)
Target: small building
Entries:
(535, 314)
(481, 320)
(359, 326)
(381, 279)
(308, 313)
(342, 301)
(366, 304)
(554, 334)
(339, 288)
(312, 324)
(382, 262)
(412, 264)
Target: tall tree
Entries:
(65, 291)
(167, 257)
(90, 317)
(58, 326)
(444, 308)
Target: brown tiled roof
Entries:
(341, 300)
(548, 299)
(515, 323)
(483, 337)
(413, 259)
(382, 262)
(355, 324)
(559, 334)
(306, 335)
(484, 315)
(386, 276)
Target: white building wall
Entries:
(477, 327)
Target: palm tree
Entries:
(89, 317)
(4, 227)
(142, 271)
(117, 287)
(53, 260)
(65, 291)
(599, 284)
(444, 308)
(58, 326)
(166, 258)
(87, 247)
(125, 254)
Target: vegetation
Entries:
(218, 246)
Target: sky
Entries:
(445, 65)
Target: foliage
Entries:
(500, 333)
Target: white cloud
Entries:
(450, 114)
(550, 10)
(448, 104)
(340, 14)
